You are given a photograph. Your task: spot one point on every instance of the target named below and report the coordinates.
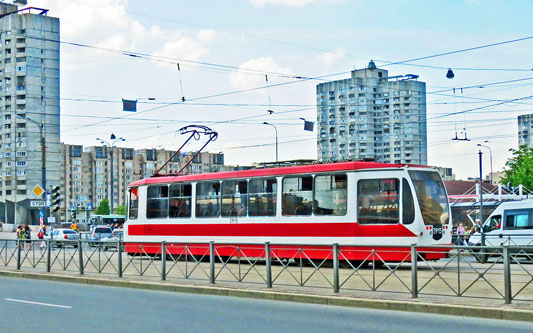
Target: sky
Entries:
(239, 58)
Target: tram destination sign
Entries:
(37, 203)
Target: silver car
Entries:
(99, 233)
(64, 237)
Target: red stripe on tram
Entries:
(272, 229)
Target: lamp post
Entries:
(490, 154)
(111, 144)
(43, 154)
(276, 129)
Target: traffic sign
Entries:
(51, 219)
(41, 214)
(37, 203)
(38, 191)
(89, 206)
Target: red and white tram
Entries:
(350, 203)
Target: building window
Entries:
(75, 151)
(127, 153)
(151, 154)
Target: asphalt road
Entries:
(45, 306)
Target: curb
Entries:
(444, 309)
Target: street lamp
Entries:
(111, 144)
(43, 153)
(490, 154)
(276, 129)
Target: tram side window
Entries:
(330, 195)
(157, 202)
(519, 219)
(234, 198)
(208, 199)
(133, 209)
(180, 200)
(262, 197)
(297, 196)
(408, 203)
(378, 201)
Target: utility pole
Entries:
(43, 158)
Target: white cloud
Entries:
(185, 47)
(244, 79)
(106, 24)
(330, 57)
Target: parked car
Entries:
(64, 237)
(99, 233)
(112, 242)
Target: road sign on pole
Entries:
(38, 190)
(89, 206)
(37, 203)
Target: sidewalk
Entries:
(8, 235)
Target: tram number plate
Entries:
(437, 230)
(233, 220)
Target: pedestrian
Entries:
(27, 231)
(19, 234)
(478, 226)
(40, 235)
(22, 237)
(460, 234)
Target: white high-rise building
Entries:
(29, 100)
(525, 130)
(372, 116)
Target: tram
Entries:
(304, 208)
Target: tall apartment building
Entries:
(372, 116)
(525, 130)
(29, 89)
(86, 173)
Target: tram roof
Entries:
(289, 170)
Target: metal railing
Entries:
(496, 272)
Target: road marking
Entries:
(37, 303)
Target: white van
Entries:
(511, 223)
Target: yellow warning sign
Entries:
(38, 190)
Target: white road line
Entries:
(37, 303)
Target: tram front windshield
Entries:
(431, 196)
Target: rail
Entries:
(492, 272)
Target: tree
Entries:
(519, 168)
(103, 208)
(120, 210)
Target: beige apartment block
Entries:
(86, 173)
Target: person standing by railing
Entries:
(460, 234)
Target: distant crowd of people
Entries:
(23, 234)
